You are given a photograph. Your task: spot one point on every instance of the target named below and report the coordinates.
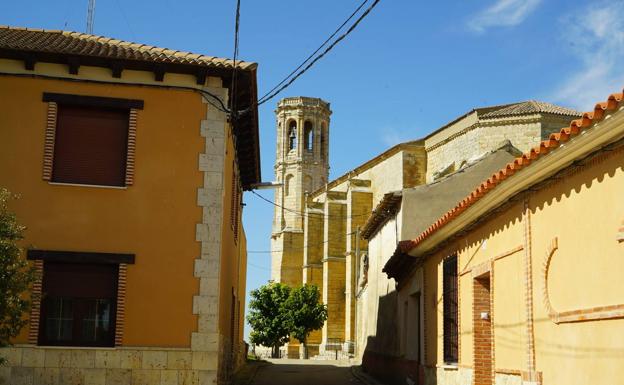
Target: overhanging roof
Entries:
(76, 49)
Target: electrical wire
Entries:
(299, 248)
(235, 56)
(316, 51)
(316, 59)
(307, 215)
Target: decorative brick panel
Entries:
(132, 125)
(50, 134)
(35, 310)
(577, 315)
(121, 304)
(483, 336)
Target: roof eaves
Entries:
(588, 120)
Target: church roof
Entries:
(530, 107)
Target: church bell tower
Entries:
(301, 167)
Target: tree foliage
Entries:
(306, 313)
(268, 317)
(277, 312)
(16, 275)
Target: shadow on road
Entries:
(295, 372)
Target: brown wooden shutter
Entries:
(91, 146)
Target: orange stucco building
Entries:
(520, 282)
(130, 175)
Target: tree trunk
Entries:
(275, 352)
(305, 350)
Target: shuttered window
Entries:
(79, 304)
(450, 309)
(90, 145)
(235, 202)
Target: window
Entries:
(288, 184)
(449, 297)
(78, 304)
(235, 202)
(323, 142)
(90, 146)
(90, 140)
(292, 135)
(308, 135)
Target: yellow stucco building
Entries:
(130, 175)
(520, 281)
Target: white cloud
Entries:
(391, 137)
(503, 13)
(596, 35)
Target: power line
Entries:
(316, 51)
(316, 59)
(298, 248)
(307, 215)
(235, 56)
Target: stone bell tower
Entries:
(301, 166)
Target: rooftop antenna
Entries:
(90, 16)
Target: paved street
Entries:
(304, 372)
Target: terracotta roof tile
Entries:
(555, 140)
(530, 107)
(75, 43)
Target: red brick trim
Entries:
(121, 304)
(577, 315)
(511, 372)
(35, 309)
(132, 125)
(496, 258)
(50, 134)
(534, 377)
(483, 330)
(528, 278)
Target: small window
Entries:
(91, 145)
(292, 135)
(449, 299)
(78, 304)
(308, 135)
(235, 202)
(323, 142)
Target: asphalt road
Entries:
(304, 372)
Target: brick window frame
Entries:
(55, 99)
(39, 257)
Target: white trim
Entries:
(88, 185)
(603, 133)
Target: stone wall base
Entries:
(34, 365)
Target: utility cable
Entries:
(299, 248)
(316, 51)
(235, 56)
(307, 215)
(312, 62)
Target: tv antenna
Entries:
(90, 16)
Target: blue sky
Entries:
(410, 66)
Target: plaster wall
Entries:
(173, 215)
(583, 211)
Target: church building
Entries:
(318, 229)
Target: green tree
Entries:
(268, 317)
(16, 275)
(306, 313)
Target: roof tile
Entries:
(530, 107)
(555, 140)
(74, 43)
